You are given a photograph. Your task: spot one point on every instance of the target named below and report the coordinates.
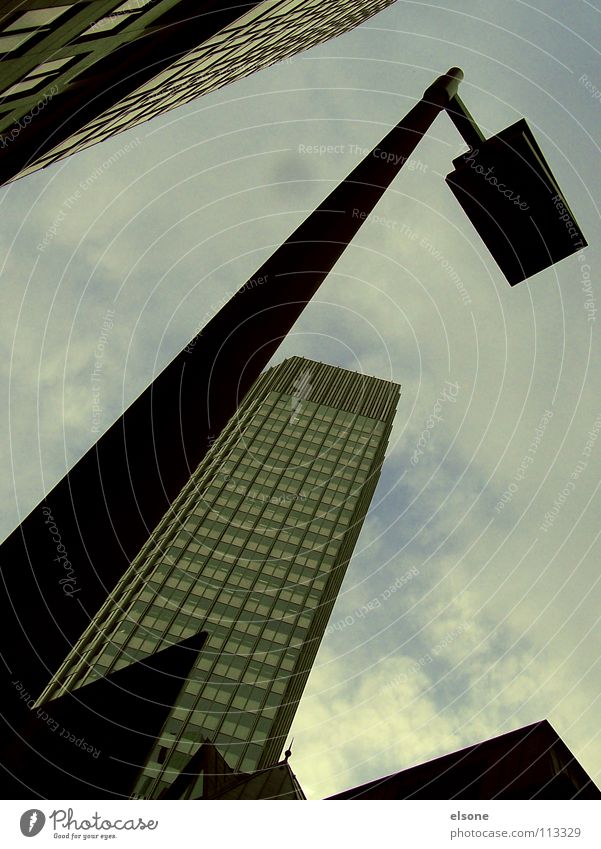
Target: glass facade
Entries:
(254, 552)
(274, 30)
(269, 32)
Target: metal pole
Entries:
(105, 508)
(464, 121)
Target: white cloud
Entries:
(191, 213)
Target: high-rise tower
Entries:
(254, 552)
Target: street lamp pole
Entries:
(110, 501)
(104, 510)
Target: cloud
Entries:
(192, 211)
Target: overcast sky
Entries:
(495, 623)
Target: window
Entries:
(211, 721)
(38, 77)
(13, 42)
(28, 24)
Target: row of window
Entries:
(34, 24)
(278, 460)
(226, 609)
(189, 82)
(304, 441)
(179, 629)
(27, 25)
(185, 600)
(259, 38)
(178, 595)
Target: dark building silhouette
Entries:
(529, 763)
(253, 551)
(92, 744)
(212, 778)
(75, 73)
(65, 557)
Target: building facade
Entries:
(253, 552)
(531, 762)
(76, 73)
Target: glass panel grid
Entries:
(253, 579)
(268, 33)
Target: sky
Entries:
(471, 605)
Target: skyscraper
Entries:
(99, 515)
(254, 553)
(76, 73)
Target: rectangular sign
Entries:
(508, 191)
